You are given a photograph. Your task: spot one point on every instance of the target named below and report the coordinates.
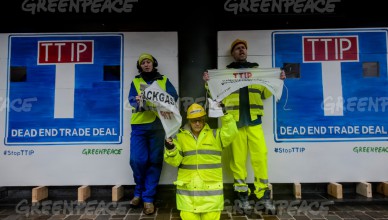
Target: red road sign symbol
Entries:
(329, 48)
(52, 52)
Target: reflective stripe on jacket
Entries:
(149, 115)
(256, 95)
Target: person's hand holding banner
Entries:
(215, 109)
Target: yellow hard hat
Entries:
(238, 41)
(195, 111)
(145, 56)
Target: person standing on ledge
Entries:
(148, 135)
(246, 106)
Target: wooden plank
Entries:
(335, 190)
(297, 190)
(39, 193)
(270, 188)
(83, 193)
(382, 188)
(364, 189)
(117, 193)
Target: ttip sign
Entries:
(336, 86)
(75, 84)
(50, 52)
(64, 54)
(317, 49)
(330, 52)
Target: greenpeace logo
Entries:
(355, 104)
(78, 6)
(280, 6)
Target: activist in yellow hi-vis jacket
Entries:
(196, 151)
(147, 135)
(246, 105)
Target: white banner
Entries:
(166, 107)
(215, 110)
(222, 82)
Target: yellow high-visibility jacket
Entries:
(199, 182)
(256, 95)
(150, 115)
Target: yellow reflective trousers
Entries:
(200, 216)
(250, 139)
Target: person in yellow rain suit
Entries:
(246, 106)
(196, 151)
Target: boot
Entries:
(135, 201)
(267, 203)
(149, 208)
(244, 203)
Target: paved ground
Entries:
(102, 210)
(334, 212)
(312, 206)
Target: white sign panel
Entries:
(64, 110)
(331, 122)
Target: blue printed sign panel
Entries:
(337, 85)
(64, 89)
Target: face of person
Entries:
(147, 65)
(197, 124)
(239, 53)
